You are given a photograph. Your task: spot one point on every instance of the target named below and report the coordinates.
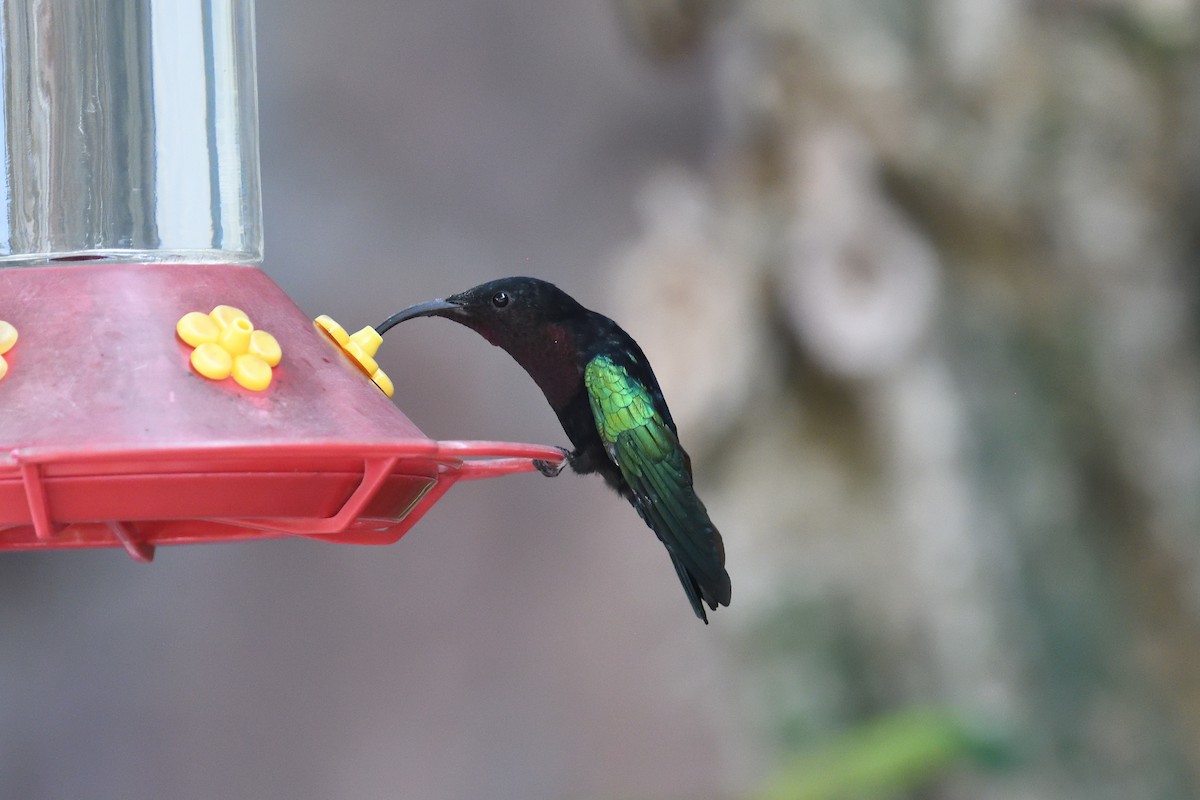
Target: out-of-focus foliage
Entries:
(903, 751)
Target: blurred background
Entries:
(917, 278)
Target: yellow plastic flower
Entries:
(361, 346)
(226, 343)
(8, 337)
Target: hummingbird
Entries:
(601, 386)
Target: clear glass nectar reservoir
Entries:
(130, 131)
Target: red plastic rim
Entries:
(367, 514)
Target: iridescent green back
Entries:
(620, 404)
(643, 446)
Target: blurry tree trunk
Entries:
(941, 374)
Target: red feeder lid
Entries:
(109, 437)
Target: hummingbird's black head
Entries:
(503, 311)
(535, 322)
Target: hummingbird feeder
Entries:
(156, 387)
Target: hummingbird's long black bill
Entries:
(433, 308)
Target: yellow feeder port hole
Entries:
(226, 343)
(361, 346)
(8, 337)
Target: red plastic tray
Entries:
(108, 438)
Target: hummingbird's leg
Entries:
(550, 469)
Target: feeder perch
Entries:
(133, 202)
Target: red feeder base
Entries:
(109, 438)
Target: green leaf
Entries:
(886, 757)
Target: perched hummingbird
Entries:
(600, 384)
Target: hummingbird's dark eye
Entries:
(500, 299)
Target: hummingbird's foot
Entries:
(549, 468)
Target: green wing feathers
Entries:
(647, 452)
(619, 403)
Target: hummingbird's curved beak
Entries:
(432, 308)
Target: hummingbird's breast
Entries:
(553, 361)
